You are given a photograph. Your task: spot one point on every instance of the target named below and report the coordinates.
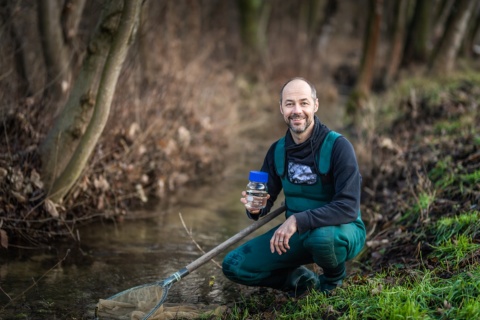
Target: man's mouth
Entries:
(296, 119)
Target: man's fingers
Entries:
(280, 245)
(272, 244)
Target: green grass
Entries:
(412, 295)
(442, 174)
(420, 207)
(452, 252)
(476, 140)
(471, 178)
(466, 224)
(446, 174)
(465, 124)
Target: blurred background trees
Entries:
(422, 48)
(446, 50)
(198, 75)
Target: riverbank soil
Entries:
(425, 167)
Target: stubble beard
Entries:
(299, 129)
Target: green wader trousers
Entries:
(253, 264)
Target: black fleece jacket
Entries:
(347, 180)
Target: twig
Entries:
(5, 293)
(372, 230)
(88, 217)
(189, 232)
(34, 283)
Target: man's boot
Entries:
(300, 281)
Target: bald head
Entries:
(298, 81)
(298, 104)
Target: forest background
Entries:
(108, 107)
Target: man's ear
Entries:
(316, 105)
(281, 110)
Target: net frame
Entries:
(140, 302)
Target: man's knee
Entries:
(236, 269)
(231, 266)
(326, 251)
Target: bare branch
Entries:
(189, 232)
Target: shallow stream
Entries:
(111, 258)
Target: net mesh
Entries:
(132, 304)
(136, 303)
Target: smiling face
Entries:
(298, 108)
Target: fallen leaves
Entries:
(51, 208)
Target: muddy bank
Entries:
(425, 166)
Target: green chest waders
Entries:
(301, 197)
(329, 247)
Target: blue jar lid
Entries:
(258, 176)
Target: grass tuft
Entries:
(466, 224)
(454, 251)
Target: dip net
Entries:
(136, 303)
(139, 302)
(131, 304)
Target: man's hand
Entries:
(282, 235)
(243, 200)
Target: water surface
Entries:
(113, 257)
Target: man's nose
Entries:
(296, 108)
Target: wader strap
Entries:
(280, 156)
(326, 152)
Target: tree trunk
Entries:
(253, 27)
(443, 60)
(55, 53)
(418, 39)
(362, 87)
(468, 46)
(71, 16)
(310, 18)
(370, 47)
(63, 138)
(7, 18)
(441, 17)
(398, 39)
(113, 65)
(321, 34)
